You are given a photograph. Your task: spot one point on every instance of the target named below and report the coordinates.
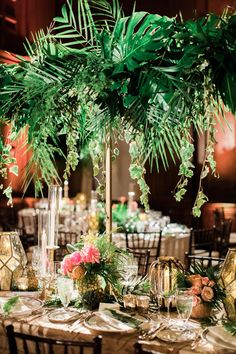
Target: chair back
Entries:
(28, 227)
(38, 345)
(144, 241)
(219, 216)
(223, 236)
(64, 238)
(204, 261)
(143, 261)
(201, 241)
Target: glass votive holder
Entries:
(22, 283)
(142, 303)
(129, 302)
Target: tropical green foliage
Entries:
(97, 74)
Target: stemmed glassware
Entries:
(65, 287)
(130, 269)
(165, 292)
(155, 292)
(184, 304)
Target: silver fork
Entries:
(154, 334)
(144, 333)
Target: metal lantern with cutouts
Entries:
(228, 282)
(12, 259)
(163, 275)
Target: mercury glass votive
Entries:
(142, 303)
(129, 302)
(22, 283)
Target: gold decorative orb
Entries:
(12, 259)
(228, 282)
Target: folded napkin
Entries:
(221, 336)
(106, 316)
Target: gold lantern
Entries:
(228, 282)
(12, 259)
(163, 274)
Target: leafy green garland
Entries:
(144, 78)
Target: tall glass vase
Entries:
(54, 202)
(43, 231)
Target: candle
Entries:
(66, 189)
(167, 280)
(44, 254)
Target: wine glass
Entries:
(65, 287)
(184, 304)
(165, 291)
(155, 292)
(129, 269)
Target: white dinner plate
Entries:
(23, 307)
(104, 322)
(217, 341)
(64, 316)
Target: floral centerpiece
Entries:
(203, 284)
(94, 263)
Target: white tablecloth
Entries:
(174, 245)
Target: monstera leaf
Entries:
(138, 38)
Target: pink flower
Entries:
(207, 293)
(76, 258)
(122, 199)
(211, 283)
(195, 290)
(90, 254)
(205, 280)
(196, 300)
(195, 280)
(66, 265)
(134, 206)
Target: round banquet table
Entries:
(171, 245)
(111, 343)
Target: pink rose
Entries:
(196, 290)
(196, 300)
(66, 265)
(205, 281)
(195, 280)
(76, 258)
(122, 199)
(207, 293)
(90, 254)
(211, 283)
(134, 206)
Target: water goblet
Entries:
(65, 287)
(184, 303)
